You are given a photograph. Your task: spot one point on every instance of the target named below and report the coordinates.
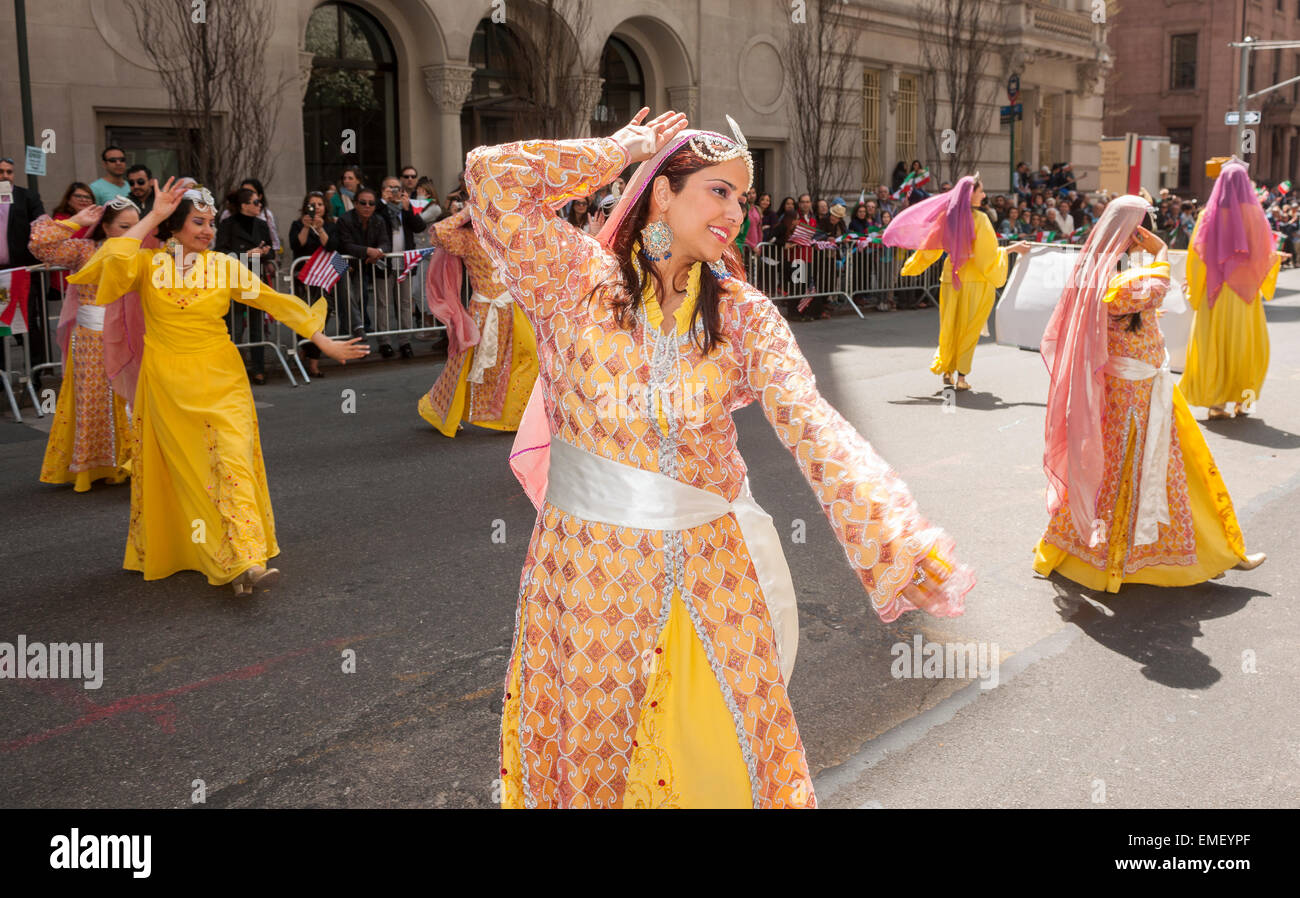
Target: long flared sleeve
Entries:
(919, 261)
(513, 191)
(119, 266)
(869, 507)
(289, 310)
(52, 242)
(1137, 289)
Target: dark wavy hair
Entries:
(65, 205)
(625, 299)
(174, 222)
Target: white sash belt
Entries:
(90, 317)
(485, 354)
(1153, 495)
(594, 488)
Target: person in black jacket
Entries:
(365, 236)
(16, 215)
(247, 236)
(403, 224)
(315, 229)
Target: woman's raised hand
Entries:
(167, 198)
(88, 216)
(641, 141)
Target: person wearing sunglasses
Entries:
(114, 181)
(139, 180)
(364, 236)
(243, 234)
(78, 196)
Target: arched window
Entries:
(623, 92)
(496, 110)
(349, 113)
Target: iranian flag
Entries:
(913, 180)
(15, 285)
(1284, 188)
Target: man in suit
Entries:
(19, 207)
(363, 234)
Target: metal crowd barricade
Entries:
(43, 308)
(792, 273)
(370, 298)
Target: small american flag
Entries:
(802, 234)
(323, 269)
(412, 258)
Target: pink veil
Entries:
(1233, 238)
(941, 222)
(530, 456)
(442, 294)
(1074, 350)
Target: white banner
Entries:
(1035, 287)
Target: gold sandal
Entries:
(1251, 562)
(1217, 413)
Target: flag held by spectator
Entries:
(14, 288)
(323, 269)
(802, 234)
(412, 258)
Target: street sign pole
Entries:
(1241, 95)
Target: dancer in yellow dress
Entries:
(656, 629)
(199, 498)
(975, 268)
(1231, 269)
(90, 434)
(487, 384)
(1133, 492)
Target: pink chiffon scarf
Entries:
(944, 222)
(1233, 238)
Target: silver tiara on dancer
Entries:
(201, 197)
(715, 148)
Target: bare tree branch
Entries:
(818, 61)
(215, 74)
(958, 43)
(551, 36)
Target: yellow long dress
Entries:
(498, 400)
(91, 433)
(1202, 538)
(962, 313)
(1227, 355)
(644, 669)
(199, 499)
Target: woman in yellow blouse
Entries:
(199, 498)
(952, 223)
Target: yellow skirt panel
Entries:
(685, 753)
(962, 314)
(1227, 355)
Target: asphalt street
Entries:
(402, 550)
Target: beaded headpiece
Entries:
(201, 197)
(715, 148)
(120, 202)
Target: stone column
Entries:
(585, 90)
(686, 98)
(449, 84)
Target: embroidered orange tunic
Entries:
(595, 599)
